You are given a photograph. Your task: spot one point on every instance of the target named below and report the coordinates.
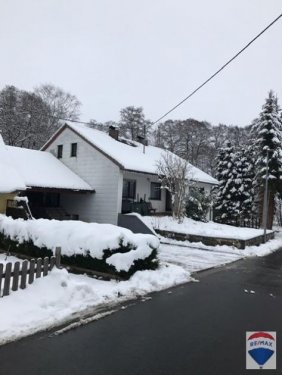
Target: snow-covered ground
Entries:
(62, 297)
(209, 229)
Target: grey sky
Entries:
(150, 53)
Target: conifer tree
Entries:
(242, 186)
(267, 135)
(225, 191)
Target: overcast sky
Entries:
(149, 53)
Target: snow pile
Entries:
(209, 229)
(77, 237)
(61, 297)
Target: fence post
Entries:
(15, 284)
(7, 281)
(1, 276)
(31, 271)
(24, 274)
(58, 256)
(38, 267)
(45, 266)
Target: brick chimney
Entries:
(113, 132)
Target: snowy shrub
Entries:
(197, 204)
(100, 247)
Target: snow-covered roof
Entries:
(10, 180)
(42, 170)
(132, 157)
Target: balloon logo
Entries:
(261, 347)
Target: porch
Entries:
(142, 193)
(48, 204)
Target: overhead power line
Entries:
(219, 70)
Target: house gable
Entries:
(66, 126)
(97, 169)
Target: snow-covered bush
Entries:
(101, 247)
(197, 204)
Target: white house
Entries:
(121, 172)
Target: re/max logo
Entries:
(261, 343)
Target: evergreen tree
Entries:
(224, 208)
(197, 204)
(242, 186)
(268, 140)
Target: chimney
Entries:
(142, 140)
(113, 132)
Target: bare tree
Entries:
(23, 118)
(133, 123)
(173, 173)
(61, 104)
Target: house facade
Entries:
(121, 172)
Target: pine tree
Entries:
(267, 135)
(224, 207)
(242, 186)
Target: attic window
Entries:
(73, 149)
(59, 151)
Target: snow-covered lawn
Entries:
(61, 296)
(209, 229)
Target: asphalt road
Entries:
(197, 328)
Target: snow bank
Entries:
(209, 229)
(250, 251)
(77, 237)
(53, 300)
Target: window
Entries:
(73, 149)
(129, 189)
(59, 151)
(156, 193)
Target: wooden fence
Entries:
(19, 274)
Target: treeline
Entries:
(29, 118)
(195, 141)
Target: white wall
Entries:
(143, 187)
(100, 173)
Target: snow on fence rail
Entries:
(19, 274)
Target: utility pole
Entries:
(265, 199)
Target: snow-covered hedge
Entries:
(102, 247)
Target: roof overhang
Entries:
(155, 174)
(57, 190)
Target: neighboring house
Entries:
(122, 173)
(42, 178)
